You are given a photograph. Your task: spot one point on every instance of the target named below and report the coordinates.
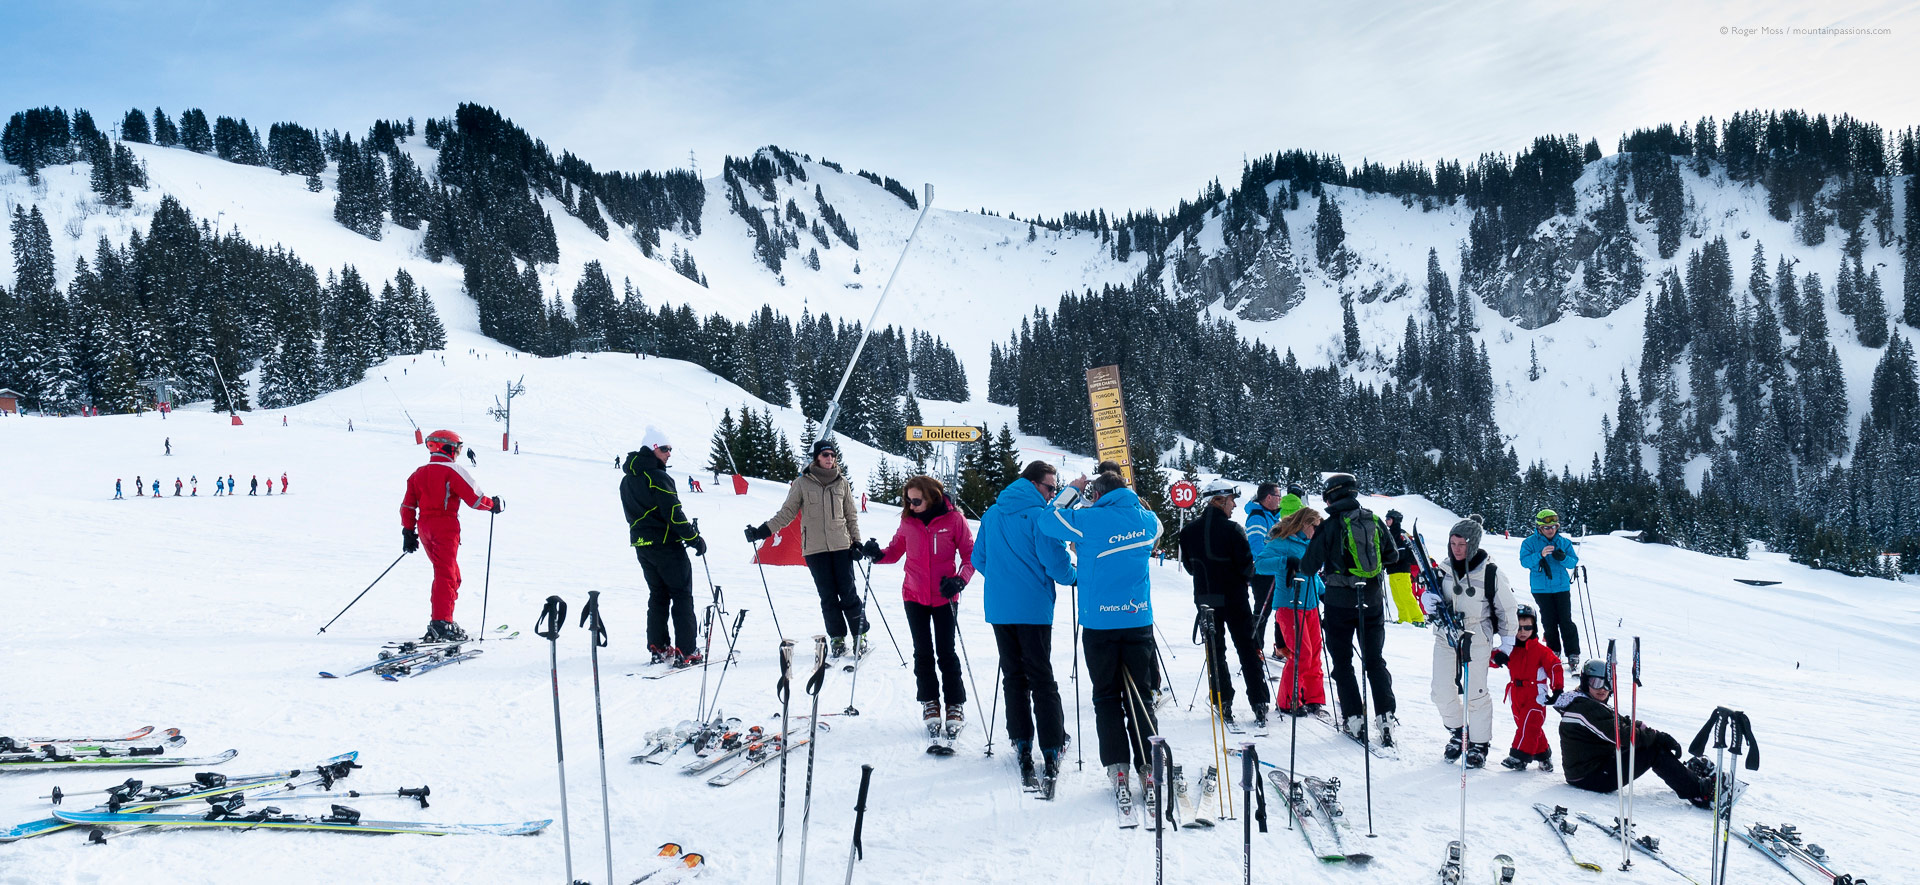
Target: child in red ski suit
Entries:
(430, 518)
(1536, 680)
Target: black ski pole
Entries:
(597, 640)
(814, 682)
(763, 585)
(974, 687)
(713, 705)
(1159, 755)
(552, 618)
(784, 688)
(1249, 776)
(867, 577)
(486, 580)
(859, 820)
(993, 709)
(1079, 755)
(356, 599)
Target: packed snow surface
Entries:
(200, 613)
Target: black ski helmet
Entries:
(1524, 610)
(1596, 669)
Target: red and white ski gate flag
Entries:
(783, 548)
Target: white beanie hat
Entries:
(654, 438)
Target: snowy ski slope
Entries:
(200, 613)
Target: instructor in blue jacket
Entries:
(1021, 567)
(1550, 561)
(1114, 538)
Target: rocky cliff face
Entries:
(1568, 265)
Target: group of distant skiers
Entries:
(190, 487)
(1324, 579)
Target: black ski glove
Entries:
(1499, 658)
(951, 585)
(409, 541)
(758, 533)
(699, 545)
(871, 550)
(499, 504)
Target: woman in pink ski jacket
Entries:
(937, 545)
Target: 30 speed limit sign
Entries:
(1183, 494)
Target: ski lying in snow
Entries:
(1503, 869)
(1326, 796)
(1180, 795)
(429, 664)
(341, 818)
(1454, 868)
(17, 744)
(171, 738)
(680, 865)
(1129, 816)
(134, 795)
(1556, 818)
(1774, 851)
(1646, 845)
(1301, 808)
(396, 656)
(102, 759)
(732, 744)
(1203, 807)
(756, 756)
(1785, 841)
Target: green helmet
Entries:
(1546, 517)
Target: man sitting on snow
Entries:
(1587, 749)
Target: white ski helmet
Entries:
(1216, 488)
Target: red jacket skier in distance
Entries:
(436, 490)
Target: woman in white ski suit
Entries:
(1483, 601)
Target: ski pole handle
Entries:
(819, 665)
(860, 810)
(552, 618)
(416, 793)
(590, 618)
(784, 688)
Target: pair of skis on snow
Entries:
(131, 805)
(1785, 842)
(1453, 872)
(136, 749)
(1198, 813)
(408, 658)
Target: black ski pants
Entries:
(1235, 619)
(1342, 626)
(1661, 753)
(1556, 621)
(669, 588)
(1033, 697)
(1122, 715)
(840, 604)
(932, 627)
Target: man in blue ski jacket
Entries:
(1550, 560)
(1114, 537)
(1021, 567)
(1263, 513)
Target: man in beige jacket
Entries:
(822, 499)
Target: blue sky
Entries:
(1029, 107)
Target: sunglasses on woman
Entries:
(915, 502)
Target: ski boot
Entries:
(1516, 761)
(1573, 662)
(1385, 725)
(1545, 759)
(685, 659)
(1453, 749)
(660, 654)
(1050, 772)
(838, 648)
(956, 720)
(1023, 754)
(1260, 716)
(444, 631)
(1477, 755)
(930, 717)
(860, 646)
(1356, 727)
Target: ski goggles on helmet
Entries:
(1546, 518)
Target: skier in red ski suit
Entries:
(435, 492)
(1536, 680)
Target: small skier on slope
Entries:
(1536, 680)
(430, 514)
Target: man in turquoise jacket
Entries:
(1021, 567)
(1114, 537)
(1263, 513)
(1550, 560)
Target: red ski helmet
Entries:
(444, 441)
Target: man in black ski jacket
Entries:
(1587, 729)
(661, 534)
(1214, 550)
(1355, 605)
